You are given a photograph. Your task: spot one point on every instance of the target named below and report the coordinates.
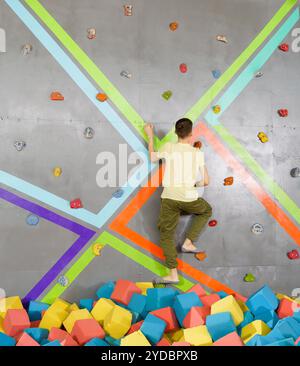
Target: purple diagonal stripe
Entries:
(84, 233)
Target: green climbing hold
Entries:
(249, 277)
(167, 94)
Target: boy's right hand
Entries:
(149, 129)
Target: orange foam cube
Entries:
(62, 336)
(198, 289)
(135, 327)
(286, 308)
(15, 321)
(86, 329)
(196, 316)
(124, 290)
(26, 340)
(168, 315)
(231, 339)
(208, 300)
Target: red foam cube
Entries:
(62, 336)
(135, 327)
(26, 341)
(286, 308)
(181, 344)
(208, 300)
(231, 339)
(196, 316)
(15, 321)
(168, 315)
(86, 329)
(198, 289)
(124, 290)
(163, 343)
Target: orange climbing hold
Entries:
(57, 96)
(228, 181)
(198, 144)
(201, 256)
(173, 26)
(102, 97)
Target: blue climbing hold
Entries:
(216, 74)
(32, 220)
(118, 194)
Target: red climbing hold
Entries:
(284, 47)
(213, 223)
(57, 96)
(198, 144)
(76, 203)
(283, 112)
(294, 254)
(183, 68)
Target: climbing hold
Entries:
(26, 49)
(97, 249)
(201, 256)
(258, 74)
(216, 74)
(228, 181)
(91, 33)
(128, 10)
(126, 74)
(198, 144)
(284, 47)
(295, 172)
(294, 254)
(249, 277)
(173, 26)
(213, 223)
(183, 68)
(263, 137)
(118, 194)
(20, 145)
(167, 94)
(56, 96)
(63, 281)
(283, 112)
(257, 229)
(32, 220)
(89, 133)
(222, 38)
(216, 109)
(102, 97)
(76, 203)
(57, 171)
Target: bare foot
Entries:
(171, 278)
(188, 245)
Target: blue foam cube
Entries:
(137, 303)
(112, 341)
(183, 304)
(158, 298)
(52, 344)
(6, 341)
(219, 325)
(287, 342)
(262, 300)
(96, 342)
(287, 328)
(296, 316)
(222, 294)
(269, 317)
(86, 304)
(253, 341)
(248, 318)
(35, 309)
(105, 290)
(38, 334)
(153, 328)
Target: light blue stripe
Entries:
(254, 66)
(85, 85)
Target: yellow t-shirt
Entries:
(183, 163)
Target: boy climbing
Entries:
(183, 164)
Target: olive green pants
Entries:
(170, 212)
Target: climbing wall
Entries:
(47, 248)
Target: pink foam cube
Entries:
(62, 336)
(231, 339)
(86, 329)
(15, 321)
(26, 341)
(124, 290)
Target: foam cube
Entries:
(287, 342)
(117, 322)
(222, 294)
(263, 300)
(175, 336)
(137, 303)
(102, 309)
(248, 318)
(62, 336)
(124, 290)
(144, 286)
(243, 306)
(158, 298)
(86, 304)
(153, 328)
(208, 300)
(53, 319)
(198, 289)
(73, 307)
(296, 316)
(59, 305)
(229, 304)
(52, 344)
(74, 316)
(1, 324)
(135, 339)
(86, 329)
(96, 342)
(106, 290)
(15, 321)
(196, 316)
(288, 328)
(135, 327)
(168, 316)
(287, 308)
(181, 344)
(230, 340)
(6, 341)
(197, 336)
(112, 341)
(183, 304)
(10, 303)
(35, 309)
(269, 317)
(219, 325)
(164, 342)
(254, 328)
(38, 334)
(26, 341)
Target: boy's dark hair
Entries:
(183, 128)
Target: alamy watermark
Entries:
(296, 41)
(2, 40)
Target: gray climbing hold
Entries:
(295, 173)
(257, 229)
(20, 145)
(259, 74)
(89, 133)
(216, 74)
(63, 281)
(126, 74)
(32, 220)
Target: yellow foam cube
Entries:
(197, 336)
(229, 304)
(59, 305)
(74, 316)
(243, 306)
(135, 339)
(118, 322)
(175, 336)
(9, 303)
(254, 328)
(73, 307)
(144, 286)
(53, 319)
(1, 325)
(283, 296)
(101, 309)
